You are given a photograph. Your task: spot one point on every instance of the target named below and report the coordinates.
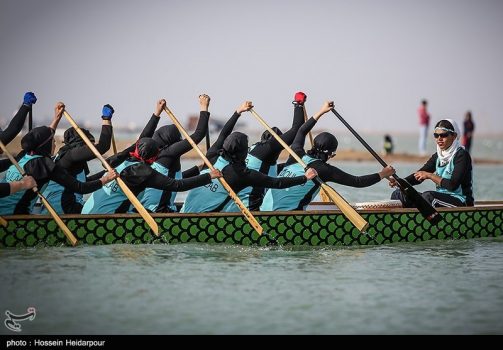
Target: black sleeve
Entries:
(257, 179)
(462, 165)
(4, 165)
(84, 153)
(4, 189)
(182, 147)
(430, 166)
(62, 177)
(226, 131)
(161, 182)
(149, 129)
(96, 176)
(15, 125)
(300, 138)
(289, 135)
(194, 171)
(329, 173)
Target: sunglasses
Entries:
(442, 135)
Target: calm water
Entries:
(431, 287)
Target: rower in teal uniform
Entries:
(38, 146)
(324, 147)
(168, 163)
(137, 174)
(263, 155)
(450, 169)
(228, 154)
(73, 157)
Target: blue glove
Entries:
(29, 99)
(107, 113)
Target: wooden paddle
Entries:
(323, 195)
(3, 222)
(336, 198)
(251, 219)
(47, 205)
(130, 195)
(114, 146)
(425, 208)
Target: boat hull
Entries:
(312, 228)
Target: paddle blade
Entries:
(425, 208)
(3, 222)
(58, 220)
(346, 208)
(138, 206)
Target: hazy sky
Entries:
(376, 59)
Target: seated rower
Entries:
(324, 147)
(230, 159)
(137, 173)
(73, 157)
(263, 155)
(168, 163)
(38, 146)
(450, 169)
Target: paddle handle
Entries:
(3, 222)
(247, 214)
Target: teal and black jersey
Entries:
(9, 203)
(296, 197)
(61, 198)
(137, 176)
(152, 198)
(208, 198)
(456, 176)
(215, 197)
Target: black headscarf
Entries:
(266, 135)
(38, 141)
(235, 148)
(146, 150)
(72, 139)
(167, 135)
(324, 145)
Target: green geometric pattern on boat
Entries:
(314, 229)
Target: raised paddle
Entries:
(48, 206)
(324, 197)
(251, 219)
(336, 198)
(130, 195)
(114, 146)
(425, 208)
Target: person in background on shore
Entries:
(172, 146)
(73, 157)
(228, 154)
(450, 169)
(468, 129)
(38, 146)
(424, 122)
(324, 147)
(263, 155)
(388, 145)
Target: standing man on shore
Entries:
(424, 122)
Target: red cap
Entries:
(300, 97)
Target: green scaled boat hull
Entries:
(310, 228)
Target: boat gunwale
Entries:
(479, 206)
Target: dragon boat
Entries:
(321, 225)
